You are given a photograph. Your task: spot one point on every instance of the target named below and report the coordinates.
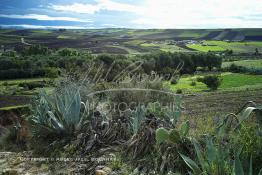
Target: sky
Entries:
(89, 14)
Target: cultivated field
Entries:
(156, 101)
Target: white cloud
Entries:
(109, 25)
(179, 13)
(93, 8)
(77, 8)
(43, 27)
(199, 13)
(43, 18)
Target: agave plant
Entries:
(215, 161)
(138, 116)
(234, 121)
(59, 114)
(238, 168)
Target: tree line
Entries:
(40, 61)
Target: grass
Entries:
(231, 82)
(12, 86)
(13, 107)
(27, 80)
(164, 47)
(217, 46)
(203, 48)
(245, 63)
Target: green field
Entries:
(230, 82)
(140, 41)
(202, 48)
(239, 47)
(244, 63)
(164, 47)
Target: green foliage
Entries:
(184, 129)
(162, 135)
(35, 50)
(52, 72)
(179, 91)
(174, 80)
(137, 117)
(250, 139)
(216, 159)
(238, 166)
(172, 135)
(68, 52)
(212, 81)
(193, 83)
(58, 115)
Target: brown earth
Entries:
(221, 103)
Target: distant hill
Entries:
(119, 40)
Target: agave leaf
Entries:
(199, 155)
(137, 117)
(260, 172)
(246, 113)
(191, 164)
(250, 166)
(211, 150)
(55, 123)
(162, 135)
(238, 168)
(184, 128)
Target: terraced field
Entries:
(231, 82)
(239, 47)
(164, 47)
(244, 63)
(134, 41)
(213, 103)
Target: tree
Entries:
(212, 81)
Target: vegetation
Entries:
(236, 47)
(132, 101)
(230, 82)
(212, 81)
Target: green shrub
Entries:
(179, 91)
(174, 80)
(212, 81)
(193, 83)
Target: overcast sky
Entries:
(131, 13)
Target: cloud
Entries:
(110, 25)
(178, 13)
(26, 26)
(199, 13)
(43, 18)
(93, 8)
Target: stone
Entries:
(107, 170)
(100, 172)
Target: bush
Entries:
(52, 72)
(193, 83)
(212, 81)
(179, 91)
(32, 85)
(174, 80)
